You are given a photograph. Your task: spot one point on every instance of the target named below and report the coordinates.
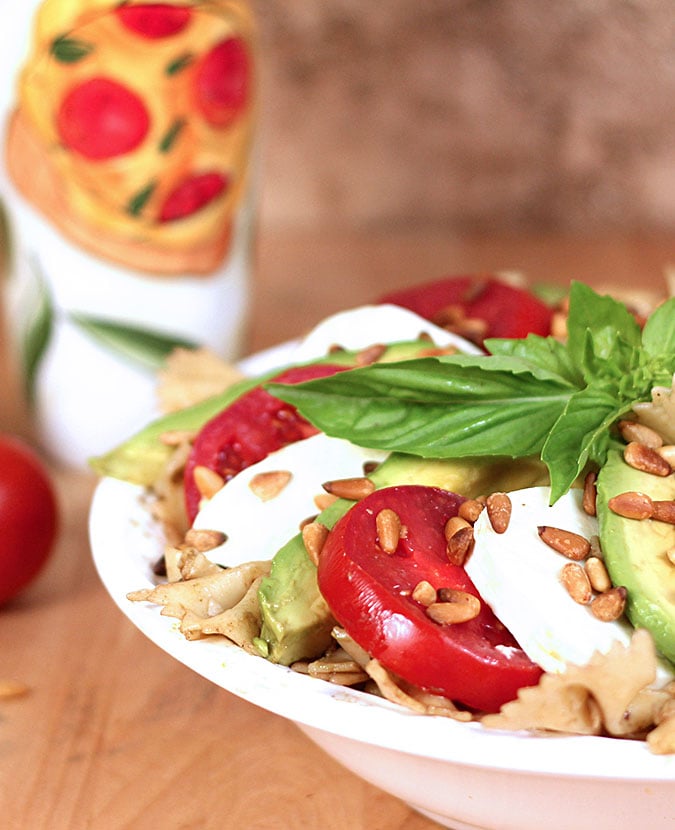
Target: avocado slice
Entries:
(142, 458)
(296, 622)
(635, 550)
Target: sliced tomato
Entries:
(101, 118)
(222, 79)
(476, 663)
(192, 194)
(507, 310)
(154, 20)
(245, 432)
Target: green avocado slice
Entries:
(635, 550)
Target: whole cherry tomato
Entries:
(28, 516)
(370, 593)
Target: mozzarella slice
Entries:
(257, 527)
(518, 575)
(360, 327)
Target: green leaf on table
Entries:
(139, 345)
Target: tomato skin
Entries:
(246, 431)
(476, 663)
(154, 20)
(101, 118)
(28, 516)
(508, 311)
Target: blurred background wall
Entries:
(478, 115)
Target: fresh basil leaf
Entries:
(579, 435)
(607, 355)
(604, 317)
(449, 407)
(541, 352)
(658, 334)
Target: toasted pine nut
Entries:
(632, 505)
(314, 536)
(208, 481)
(459, 538)
(590, 494)
(642, 458)
(388, 529)
(596, 550)
(641, 433)
(10, 689)
(610, 605)
(498, 507)
(269, 484)
(203, 540)
(571, 545)
(458, 607)
(575, 581)
(664, 511)
(353, 489)
(470, 510)
(324, 500)
(597, 574)
(370, 354)
(424, 593)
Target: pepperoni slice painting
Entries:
(101, 118)
(154, 21)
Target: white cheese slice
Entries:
(257, 528)
(518, 575)
(358, 328)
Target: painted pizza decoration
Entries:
(134, 125)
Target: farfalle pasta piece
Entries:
(659, 413)
(608, 695)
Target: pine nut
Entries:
(269, 484)
(176, 437)
(575, 581)
(597, 574)
(371, 354)
(324, 500)
(590, 494)
(388, 529)
(424, 593)
(610, 605)
(664, 511)
(353, 489)
(470, 510)
(314, 536)
(632, 505)
(571, 545)
(646, 460)
(641, 433)
(498, 507)
(457, 607)
(203, 540)
(207, 481)
(459, 538)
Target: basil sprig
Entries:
(532, 396)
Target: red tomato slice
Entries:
(192, 194)
(100, 119)
(222, 82)
(476, 663)
(255, 425)
(154, 20)
(507, 310)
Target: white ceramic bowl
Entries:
(462, 775)
(459, 774)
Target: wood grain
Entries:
(115, 734)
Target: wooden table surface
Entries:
(113, 733)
